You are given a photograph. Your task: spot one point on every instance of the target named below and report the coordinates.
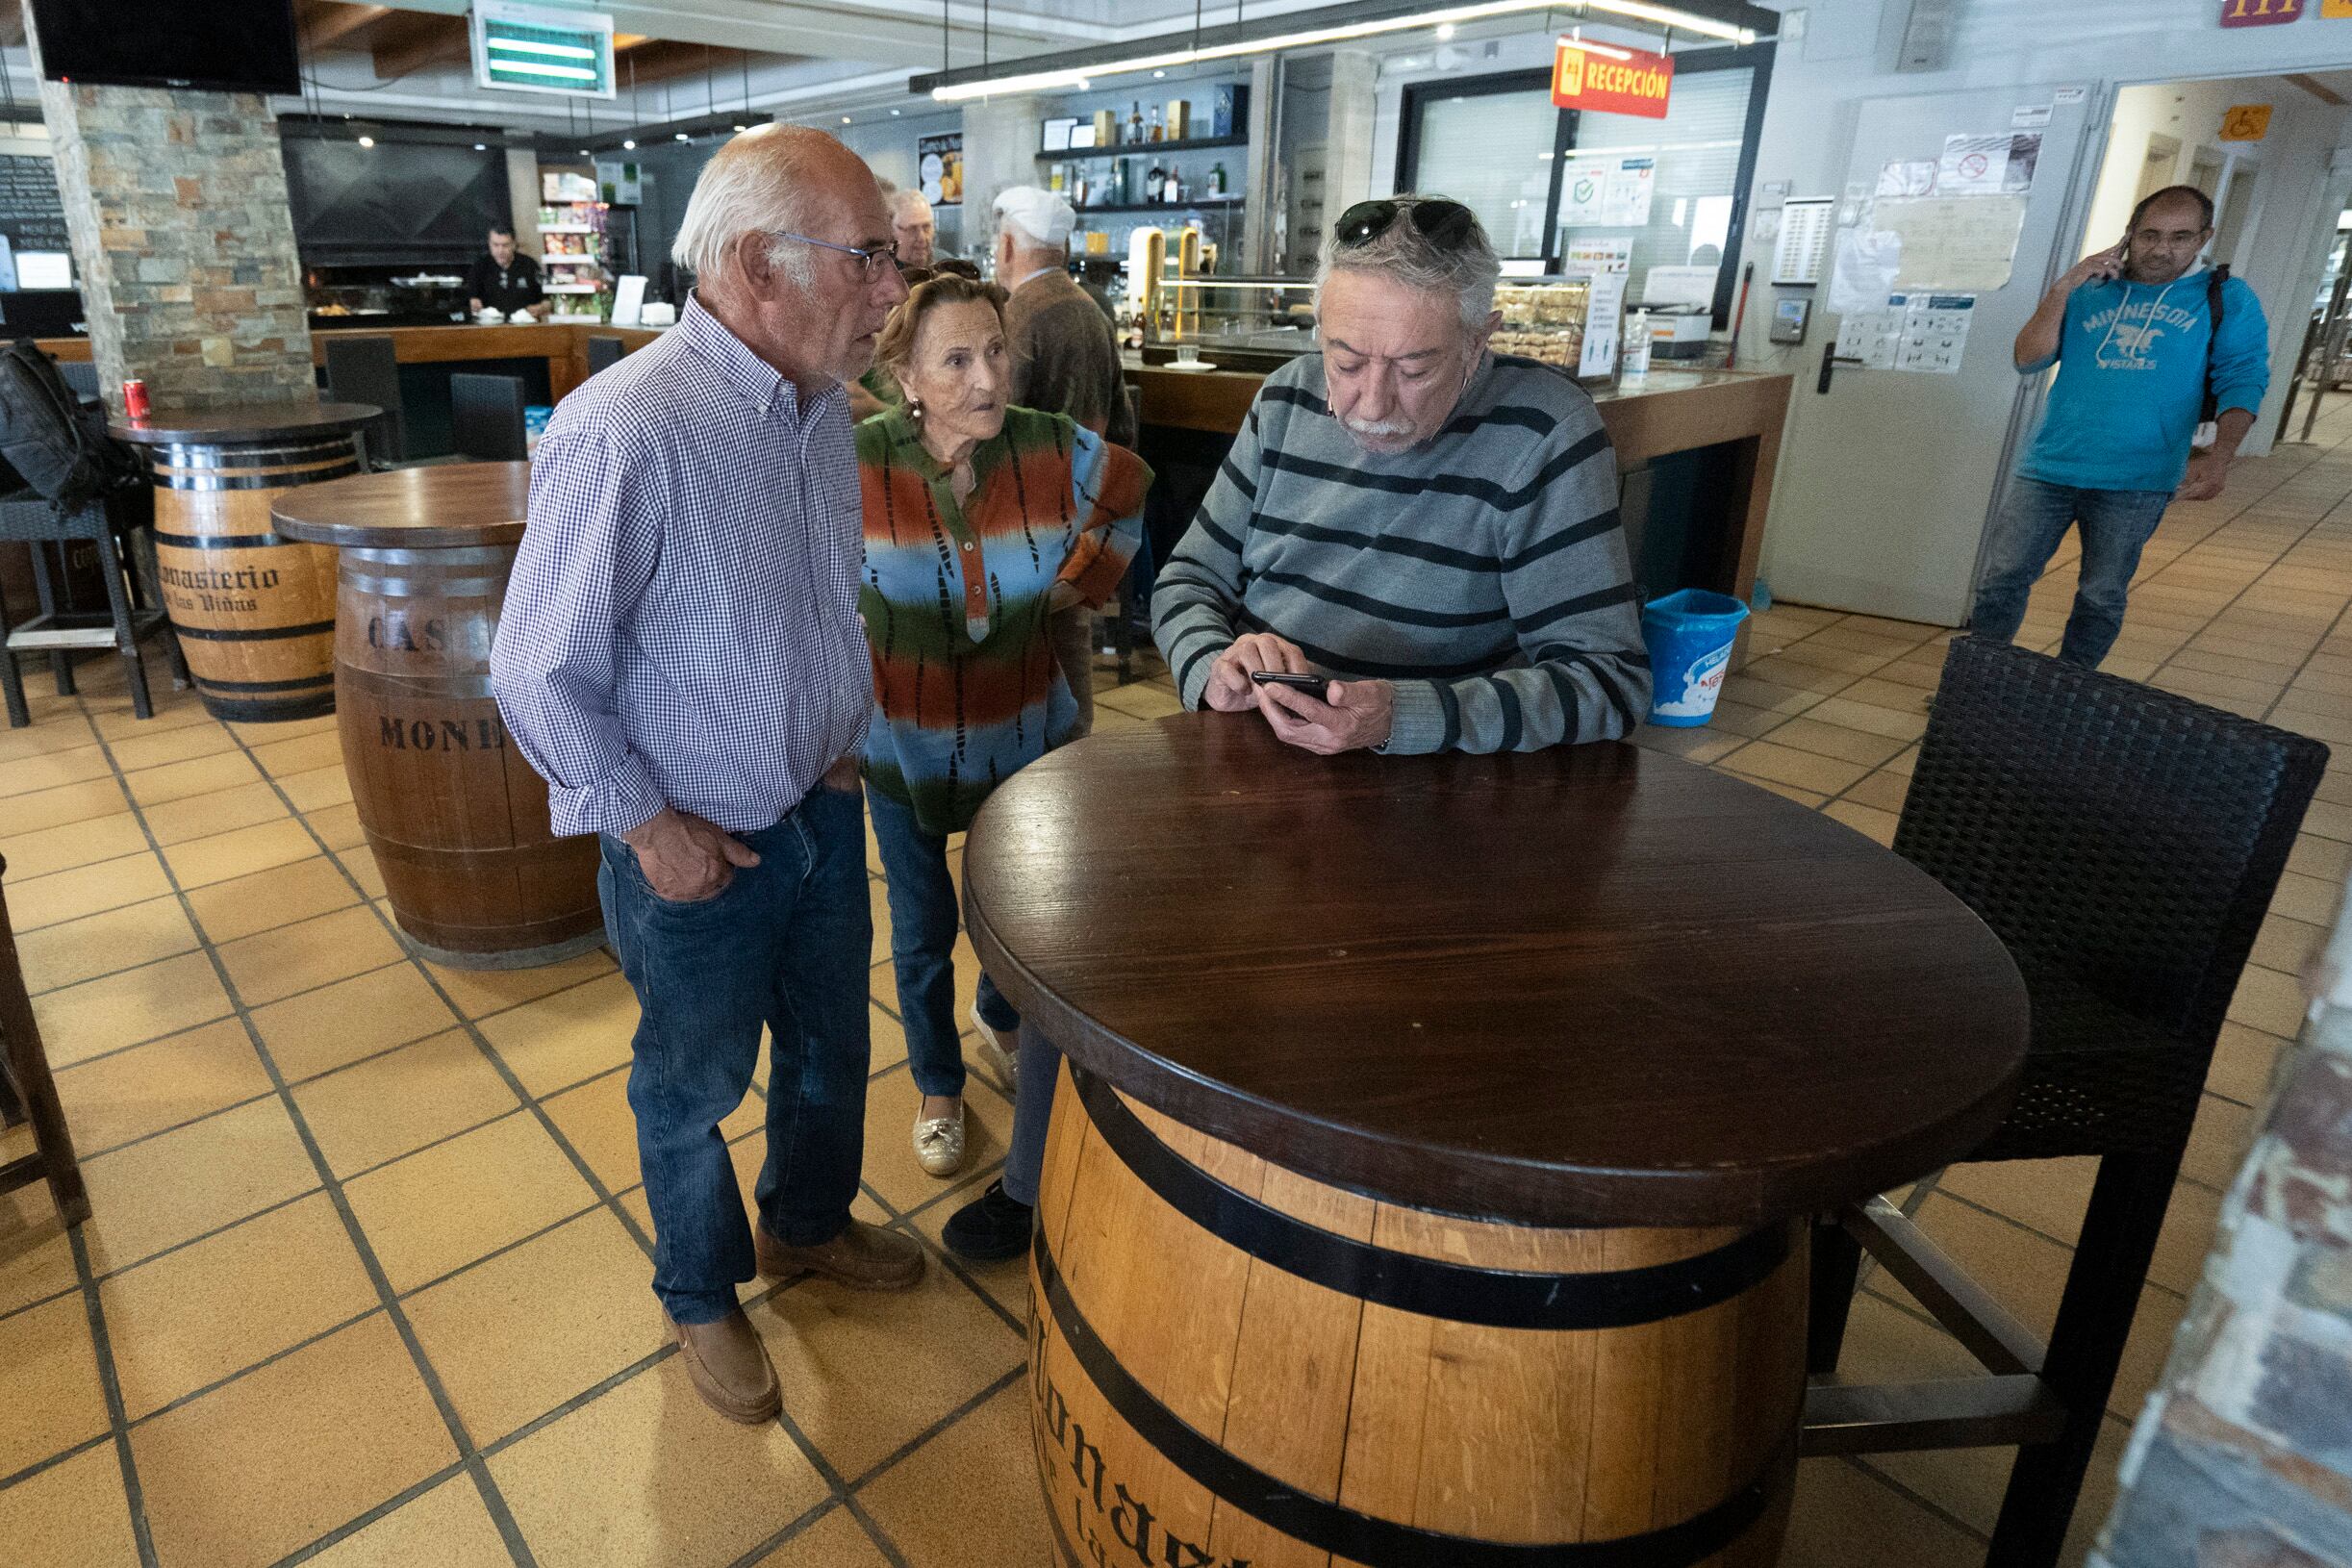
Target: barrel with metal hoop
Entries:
(254, 612)
(1427, 1180)
(456, 818)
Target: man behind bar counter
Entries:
(681, 657)
(505, 280)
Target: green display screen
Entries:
(539, 49)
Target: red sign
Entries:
(1638, 84)
(2258, 13)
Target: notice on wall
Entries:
(1604, 324)
(31, 215)
(1960, 244)
(939, 167)
(1989, 165)
(2245, 122)
(1602, 191)
(1803, 250)
(1923, 334)
(1625, 200)
(1868, 258)
(1907, 177)
(1598, 256)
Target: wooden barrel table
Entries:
(254, 612)
(457, 819)
(1428, 1176)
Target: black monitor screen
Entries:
(223, 45)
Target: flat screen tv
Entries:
(218, 45)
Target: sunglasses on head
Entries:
(1445, 223)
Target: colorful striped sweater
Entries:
(956, 598)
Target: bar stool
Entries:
(112, 524)
(2123, 843)
(28, 1092)
(363, 367)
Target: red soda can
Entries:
(134, 400)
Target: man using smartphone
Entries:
(2144, 342)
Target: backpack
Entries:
(51, 441)
(2209, 410)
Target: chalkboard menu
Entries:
(30, 214)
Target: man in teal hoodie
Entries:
(2129, 330)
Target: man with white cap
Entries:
(1065, 361)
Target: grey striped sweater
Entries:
(1483, 572)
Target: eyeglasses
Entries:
(868, 256)
(1444, 223)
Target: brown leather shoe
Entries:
(863, 1256)
(730, 1367)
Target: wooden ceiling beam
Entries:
(326, 23)
(412, 41)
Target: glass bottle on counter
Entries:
(1135, 121)
(1157, 130)
(1173, 190)
(1216, 179)
(1153, 180)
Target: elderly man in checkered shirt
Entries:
(681, 656)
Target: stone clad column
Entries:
(185, 241)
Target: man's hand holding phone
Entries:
(1326, 716)
(1228, 689)
(2101, 267)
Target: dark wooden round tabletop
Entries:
(1588, 986)
(243, 423)
(437, 507)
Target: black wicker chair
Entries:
(2124, 844)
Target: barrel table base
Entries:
(456, 818)
(254, 612)
(1231, 1363)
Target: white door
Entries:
(1888, 477)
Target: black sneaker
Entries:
(990, 1229)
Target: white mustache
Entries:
(1377, 427)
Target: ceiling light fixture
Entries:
(628, 143)
(481, 146)
(1445, 31)
(367, 141)
(681, 136)
(1076, 77)
(845, 120)
(894, 113)
(1587, 46)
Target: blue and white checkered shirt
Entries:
(682, 623)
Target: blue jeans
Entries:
(2117, 526)
(922, 926)
(1024, 1162)
(784, 944)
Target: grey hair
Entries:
(751, 186)
(898, 198)
(1404, 254)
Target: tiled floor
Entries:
(366, 1279)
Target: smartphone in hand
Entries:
(1314, 685)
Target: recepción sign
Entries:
(1582, 77)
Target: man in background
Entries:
(2139, 333)
(505, 280)
(915, 227)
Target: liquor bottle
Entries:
(1157, 132)
(1174, 192)
(1077, 194)
(1153, 182)
(1135, 121)
(1216, 179)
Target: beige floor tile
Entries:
(138, 753)
(339, 1024)
(309, 954)
(1763, 694)
(1880, 791)
(1846, 1518)
(571, 1035)
(207, 816)
(35, 903)
(1792, 673)
(267, 900)
(1833, 740)
(2328, 820)
(2217, 1142)
(200, 862)
(184, 1183)
(82, 1021)
(62, 848)
(532, 1328)
(338, 826)
(95, 945)
(1900, 724)
(74, 1515)
(2243, 1060)
(195, 1316)
(1799, 770)
(888, 1041)
(274, 1461)
(318, 789)
(1867, 820)
(1810, 799)
(392, 1104)
(448, 1527)
(361, 862)
(199, 775)
(649, 1474)
(1732, 717)
(878, 911)
(834, 1541)
(48, 1384)
(2326, 859)
(481, 992)
(176, 1080)
(977, 1481)
(1008, 1281)
(173, 709)
(891, 1170)
(63, 806)
(2307, 898)
(48, 770)
(1699, 746)
(445, 1207)
(933, 1348)
(302, 754)
(595, 1120)
(285, 729)
(2269, 1001)
(36, 1255)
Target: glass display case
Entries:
(1232, 320)
(1543, 319)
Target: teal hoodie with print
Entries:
(2131, 376)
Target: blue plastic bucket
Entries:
(1690, 636)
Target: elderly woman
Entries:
(981, 520)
